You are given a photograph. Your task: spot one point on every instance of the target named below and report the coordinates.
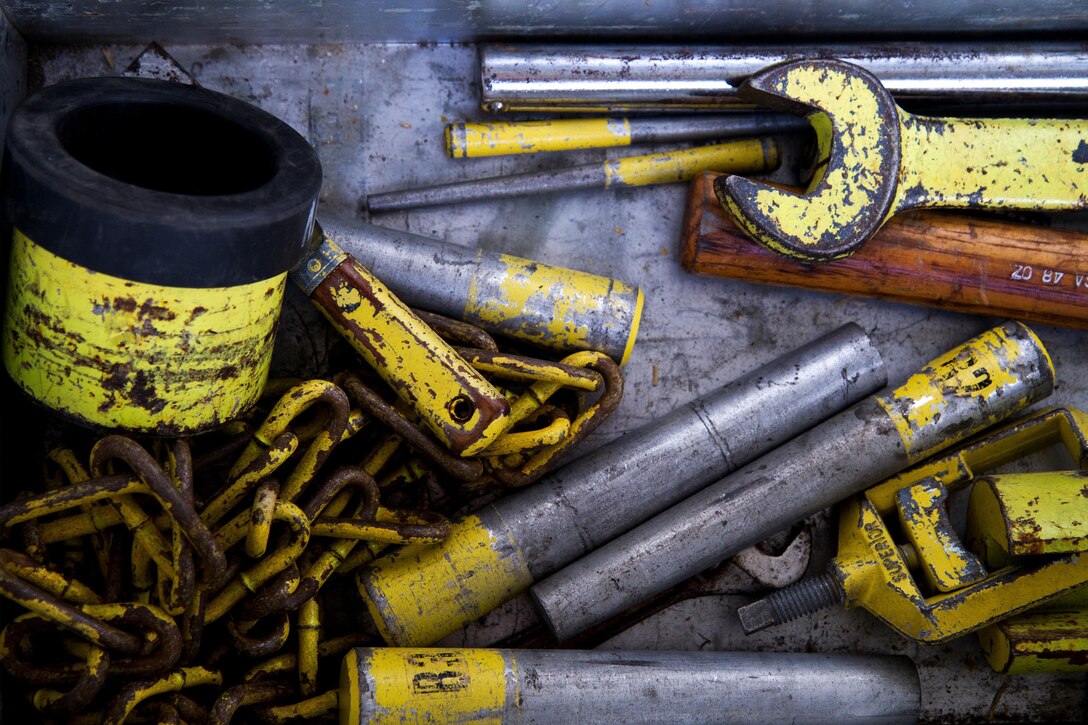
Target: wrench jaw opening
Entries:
(858, 135)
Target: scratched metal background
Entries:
(376, 112)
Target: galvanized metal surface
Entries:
(967, 73)
(556, 307)
(981, 382)
(335, 21)
(549, 686)
(499, 550)
(376, 114)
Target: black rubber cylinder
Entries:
(158, 182)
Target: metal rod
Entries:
(969, 388)
(421, 594)
(616, 78)
(559, 308)
(747, 156)
(571, 686)
(472, 140)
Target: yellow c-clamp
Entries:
(900, 558)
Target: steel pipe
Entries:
(960, 393)
(422, 593)
(570, 686)
(617, 78)
(555, 307)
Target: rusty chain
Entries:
(149, 575)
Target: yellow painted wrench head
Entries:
(857, 130)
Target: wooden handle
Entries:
(953, 262)
(463, 409)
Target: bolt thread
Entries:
(806, 597)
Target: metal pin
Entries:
(471, 140)
(747, 156)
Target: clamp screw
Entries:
(785, 605)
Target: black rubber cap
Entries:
(160, 183)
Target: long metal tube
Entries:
(741, 156)
(617, 78)
(570, 686)
(422, 593)
(555, 307)
(969, 388)
(471, 140)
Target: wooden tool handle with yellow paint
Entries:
(464, 410)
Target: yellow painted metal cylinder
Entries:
(1038, 641)
(1015, 515)
(415, 595)
(112, 352)
(153, 227)
(754, 155)
(465, 140)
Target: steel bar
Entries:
(550, 686)
(558, 308)
(420, 594)
(743, 156)
(975, 385)
(472, 140)
(618, 78)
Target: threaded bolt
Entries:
(785, 605)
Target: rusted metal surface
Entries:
(876, 160)
(722, 327)
(898, 585)
(209, 553)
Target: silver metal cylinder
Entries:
(570, 686)
(565, 78)
(583, 176)
(969, 388)
(420, 594)
(559, 308)
(597, 497)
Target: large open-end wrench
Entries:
(879, 160)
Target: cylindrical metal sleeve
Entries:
(420, 594)
(610, 78)
(559, 308)
(548, 686)
(960, 393)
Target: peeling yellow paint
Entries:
(433, 685)
(134, 356)
(570, 296)
(744, 156)
(976, 369)
(471, 140)
(422, 593)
